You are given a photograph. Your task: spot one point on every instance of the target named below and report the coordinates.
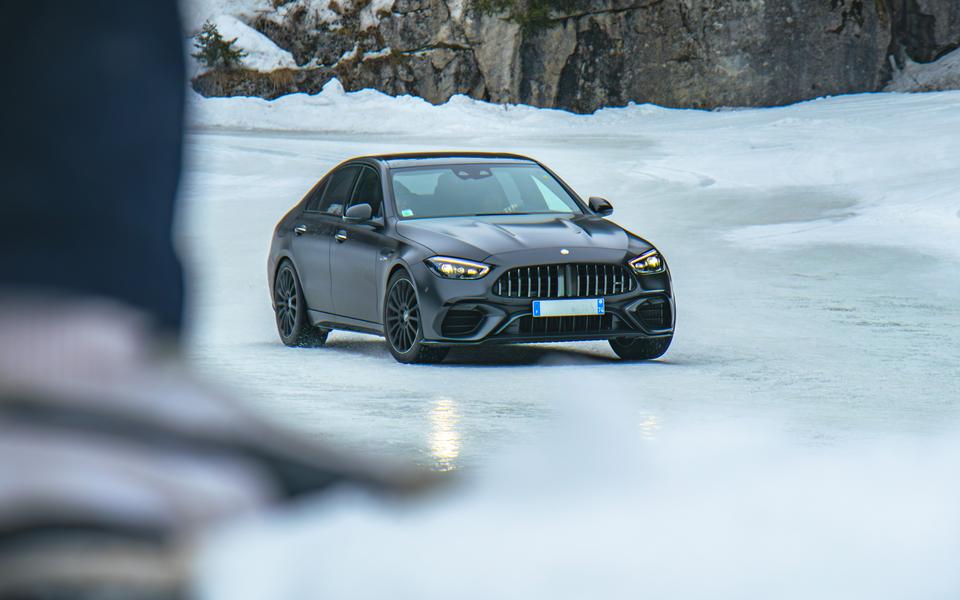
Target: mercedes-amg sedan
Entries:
(433, 251)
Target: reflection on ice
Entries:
(444, 435)
(649, 426)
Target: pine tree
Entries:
(213, 51)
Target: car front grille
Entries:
(529, 325)
(565, 281)
(655, 314)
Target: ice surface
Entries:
(814, 251)
(799, 440)
(599, 511)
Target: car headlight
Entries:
(457, 268)
(648, 263)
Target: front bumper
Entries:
(503, 320)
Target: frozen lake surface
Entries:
(815, 252)
(799, 440)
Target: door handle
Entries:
(341, 236)
(300, 229)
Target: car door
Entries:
(356, 252)
(313, 236)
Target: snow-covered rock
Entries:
(942, 74)
(261, 54)
(582, 56)
(196, 12)
(309, 13)
(370, 15)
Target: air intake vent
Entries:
(460, 323)
(655, 314)
(556, 325)
(565, 281)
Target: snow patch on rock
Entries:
(370, 15)
(456, 8)
(942, 74)
(196, 12)
(316, 12)
(261, 53)
(378, 54)
(349, 55)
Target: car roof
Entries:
(423, 159)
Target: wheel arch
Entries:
(279, 259)
(396, 267)
(399, 266)
(282, 258)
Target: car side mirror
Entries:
(359, 213)
(601, 206)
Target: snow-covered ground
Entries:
(814, 248)
(799, 440)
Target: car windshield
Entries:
(473, 190)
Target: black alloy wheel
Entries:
(291, 310)
(640, 348)
(402, 326)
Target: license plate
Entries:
(568, 308)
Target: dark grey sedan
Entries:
(437, 250)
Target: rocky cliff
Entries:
(582, 55)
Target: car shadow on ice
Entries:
(527, 355)
(541, 355)
(496, 355)
(518, 355)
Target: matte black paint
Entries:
(345, 280)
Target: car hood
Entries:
(479, 238)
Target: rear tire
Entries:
(640, 348)
(290, 308)
(403, 326)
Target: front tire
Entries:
(640, 348)
(291, 310)
(403, 323)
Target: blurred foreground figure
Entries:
(111, 458)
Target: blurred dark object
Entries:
(112, 460)
(92, 114)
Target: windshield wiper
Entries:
(502, 214)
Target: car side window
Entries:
(337, 194)
(316, 195)
(369, 191)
